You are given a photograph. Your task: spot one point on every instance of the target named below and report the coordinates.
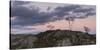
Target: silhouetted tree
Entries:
(70, 22)
(86, 29)
(50, 26)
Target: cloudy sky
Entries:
(34, 17)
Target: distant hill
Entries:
(52, 38)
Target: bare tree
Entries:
(86, 29)
(50, 27)
(70, 22)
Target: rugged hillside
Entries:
(52, 38)
(64, 38)
(19, 41)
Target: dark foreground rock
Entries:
(52, 38)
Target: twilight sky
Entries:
(34, 17)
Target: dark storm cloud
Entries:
(76, 9)
(26, 16)
(18, 3)
(61, 11)
(17, 8)
(23, 12)
(91, 14)
(88, 11)
(83, 10)
(29, 17)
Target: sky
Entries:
(28, 17)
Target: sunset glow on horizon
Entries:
(78, 25)
(35, 17)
